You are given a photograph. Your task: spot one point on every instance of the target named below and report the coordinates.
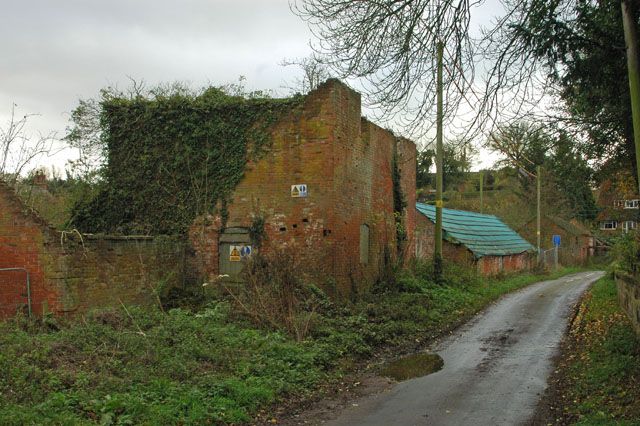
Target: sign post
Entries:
(556, 245)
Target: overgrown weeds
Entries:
(220, 363)
(148, 367)
(273, 294)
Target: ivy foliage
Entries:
(399, 204)
(171, 156)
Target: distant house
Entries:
(619, 209)
(621, 216)
(481, 240)
(577, 243)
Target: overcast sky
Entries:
(55, 52)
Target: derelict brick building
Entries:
(325, 191)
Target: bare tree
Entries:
(314, 72)
(523, 144)
(390, 45)
(85, 131)
(18, 149)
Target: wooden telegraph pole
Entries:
(437, 254)
(633, 69)
(481, 194)
(538, 178)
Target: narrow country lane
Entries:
(495, 367)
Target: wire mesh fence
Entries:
(549, 258)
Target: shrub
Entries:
(274, 295)
(626, 254)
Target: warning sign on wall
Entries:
(239, 252)
(299, 190)
(234, 253)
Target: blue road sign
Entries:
(556, 240)
(245, 251)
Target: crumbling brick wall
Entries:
(70, 273)
(22, 236)
(346, 164)
(575, 247)
(98, 271)
(407, 157)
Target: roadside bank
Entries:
(597, 375)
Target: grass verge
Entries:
(597, 380)
(145, 366)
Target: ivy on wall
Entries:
(399, 204)
(172, 157)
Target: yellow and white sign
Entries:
(239, 252)
(234, 253)
(299, 190)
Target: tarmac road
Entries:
(495, 367)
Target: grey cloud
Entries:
(54, 52)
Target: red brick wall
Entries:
(22, 235)
(489, 265)
(424, 237)
(70, 274)
(346, 163)
(574, 249)
(493, 265)
(203, 238)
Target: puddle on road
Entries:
(413, 366)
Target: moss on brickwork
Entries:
(173, 157)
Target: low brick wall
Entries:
(72, 273)
(629, 298)
(100, 271)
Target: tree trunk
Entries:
(633, 69)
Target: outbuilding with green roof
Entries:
(473, 238)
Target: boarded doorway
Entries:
(234, 249)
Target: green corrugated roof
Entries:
(483, 234)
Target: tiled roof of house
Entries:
(482, 234)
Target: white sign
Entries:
(299, 190)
